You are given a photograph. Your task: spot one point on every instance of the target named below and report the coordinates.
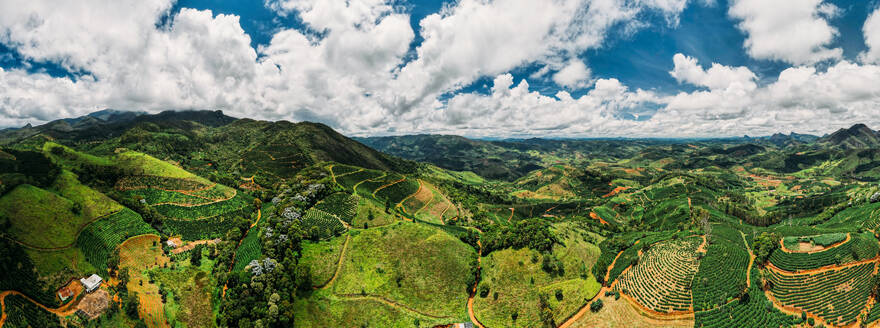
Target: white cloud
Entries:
(359, 74)
(515, 110)
(871, 29)
(574, 75)
(717, 77)
(801, 99)
(794, 31)
(474, 38)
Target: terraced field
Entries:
(753, 311)
(661, 281)
(859, 247)
(342, 205)
(836, 295)
(721, 275)
(99, 239)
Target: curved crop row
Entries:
(860, 247)
(397, 192)
(240, 201)
(133, 182)
(321, 225)
(210, 228)
(342, 205)
(753, 310)
(661, 280)
(722, 274)
(836, 295)
(100, 238)
(348, 181)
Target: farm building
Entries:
(64, 293)
(91, 283)
(171, 243)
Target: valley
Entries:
(197, 219)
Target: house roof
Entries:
(65, 292)
(92, 281)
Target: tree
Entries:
(113, 261)
(131, 306)
(596, 305)
(763, 245)
(196, 256)
(387, 206)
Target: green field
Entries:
(40, 218)
(375, 268)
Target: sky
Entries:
(478, 68)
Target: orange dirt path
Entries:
(354, 188)
(751, 262)
(338, 265)
(782, 246)
(580, 313)
(400, 204)
(61, 311)
(778, 270)
(193, 244)
(470, 303)
(387, 185)
(597, 217)
(615, 191)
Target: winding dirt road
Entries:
(338, 265)
(470, 303)
(61, 311)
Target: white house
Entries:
(91, 283)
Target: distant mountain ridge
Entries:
(109, 123)
(858, 136)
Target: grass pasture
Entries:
(93, 203)
(518, 281)
(191, 289)
(321, 258)
(383, 278)
(41, 218)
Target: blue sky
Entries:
(511, 68)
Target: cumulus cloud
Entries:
(574, 75)
(801, 99)
(355, 68)
(871, 29)
(716, 77)
(793, 31)
(515, 110)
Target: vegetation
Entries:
(297, 225)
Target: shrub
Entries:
(596, 306)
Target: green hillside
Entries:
(209, 220)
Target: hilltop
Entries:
(199, 219)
